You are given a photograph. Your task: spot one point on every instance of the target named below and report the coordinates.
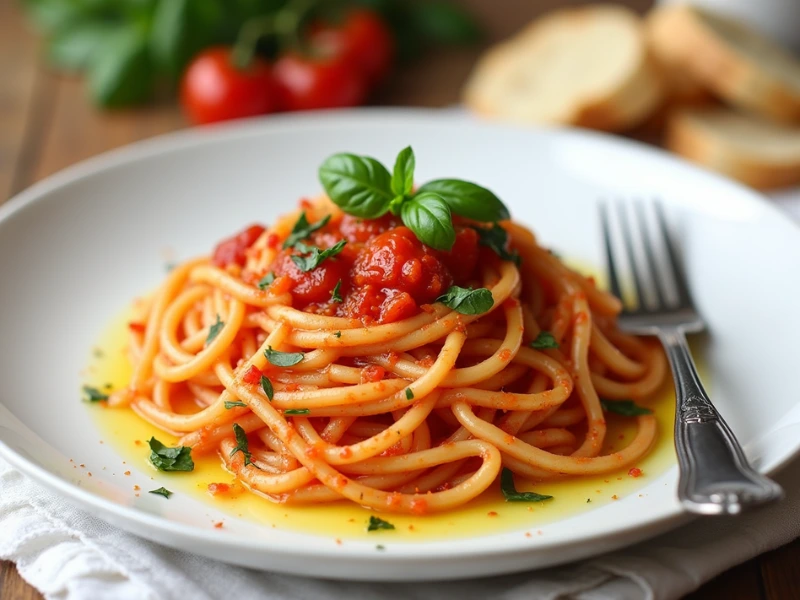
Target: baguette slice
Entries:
(758, 152)
(737, 63)
(587, 67)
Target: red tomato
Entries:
(213, 89)
(363, 39)
(308, 83)
(232, 250)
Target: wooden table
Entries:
(47, 124)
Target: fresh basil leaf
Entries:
(170, 459)
(446, 23)
(311, 262)
(626, 408)
(283, 359)
(162, 491)
(241, 444)
(71, 48)
(122, 74)
(467, 301)
(235, 404)
(376, 523)
(296, 411)
(510, 492)
(359, 185)
(302, 229)
(403, 174)
(214, 330)
(496, 239)
(409, 394)
(544, 341)
(92, 394)
(428, 216)
(266, 385)
(468, 199)
(335, 296)
(266, 281)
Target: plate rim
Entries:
(179, 140)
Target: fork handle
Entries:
(715, 477)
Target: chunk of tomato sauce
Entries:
(233, 250)
(386, 273)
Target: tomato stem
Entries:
(252, 31)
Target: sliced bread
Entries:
(586, 67)
(758, 152)
(737, 63)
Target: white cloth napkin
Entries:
(68, 554)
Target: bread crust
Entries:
(687, 137)
(716, 64)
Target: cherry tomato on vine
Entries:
(362, 39)
(307, 83)
(214, 89)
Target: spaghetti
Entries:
(344, 378)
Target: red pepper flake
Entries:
(528, 534)
(136, 488)
(82, 466)
(137, 442)
(253, 375)
(219, 524)
(614, 497)
(127, 473)
(218, 488)
(137, 327)
(634, 472)
(338, 541)
(89, 473)
(492, 513)
(411, 527)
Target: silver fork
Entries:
(715, 477)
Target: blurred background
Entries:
(84, 76)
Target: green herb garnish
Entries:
(496, 239)
(409, 394)
(338, 334)
(170, 459)
(162, 491)
(236, 403)
(302, 229)
(361, 186)
(241, 444)
(297, 411)
(311, 262)
(467, 301)
(335, 296)
(266, 385)
(626, 408)
(544, 341)
(214, 330)
(376, 523)
(266, 281)
(510, 492)
(92, 394)
(283, 359)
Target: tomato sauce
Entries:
(386, 273)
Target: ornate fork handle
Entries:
(715, 475)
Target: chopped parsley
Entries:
(92, 394)
(544, 340)
(236, 403)
(302, 229)
(338, 334)
(266, 281)
(164, 458)
(510, 492)
(241, 444)
(316, 256)
(214, 330)
(376, 523)
(283, 359)
(380, 547)
(297, 411)
(162, 491)
(266, 385)
(335, 296)
(496, 238)
(409, 394)
(626, 408)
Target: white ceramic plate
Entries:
(77, 247)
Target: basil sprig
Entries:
(361, 186)
(467, 301)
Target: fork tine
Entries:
(627, 236)
(613, 281)
(684, 299)
(658, 285)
